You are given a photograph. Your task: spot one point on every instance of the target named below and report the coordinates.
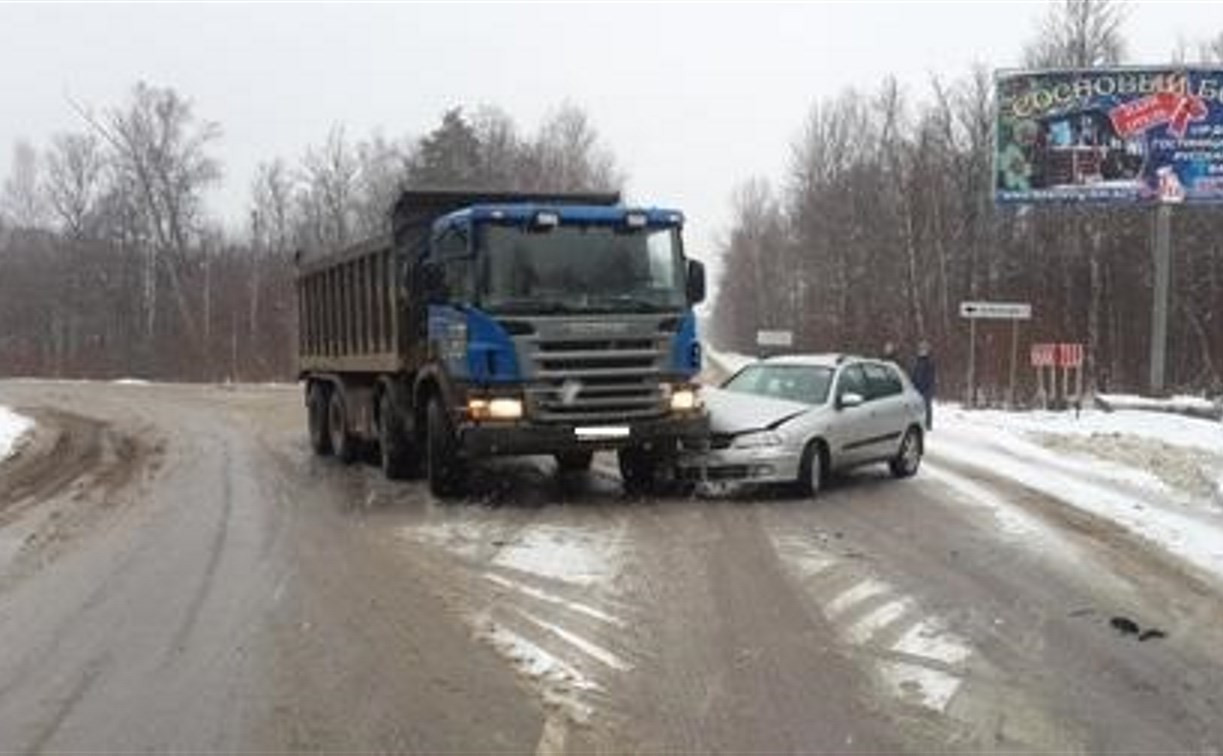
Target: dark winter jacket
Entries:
(923, 376)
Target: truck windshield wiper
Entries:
(630, 303)
(533, 306)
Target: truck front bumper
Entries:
(505, 439)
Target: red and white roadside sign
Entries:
(1057, 355)
(1044, 355)
(1069, 355)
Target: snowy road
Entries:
(177, 572)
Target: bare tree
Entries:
(75, 182)
(329, 196)
(22, 201)
(1078, 34)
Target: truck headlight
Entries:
(505, 409)
(758, 439)
(498, 408)
(684, 400)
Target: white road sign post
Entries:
(775, 339)
(974, 311)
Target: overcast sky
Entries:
(692, 97)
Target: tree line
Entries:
(111, 266)
(885, 223)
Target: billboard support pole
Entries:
(1162, 253)
(972, 362)
(1010, 388)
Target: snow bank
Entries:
(1158, 476)
(12, 428)
(1194, 406)
(1175, 430)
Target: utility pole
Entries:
(1162, 253)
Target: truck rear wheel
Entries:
(343, 445)
(445, 469)
(316, 416)
(395, 450)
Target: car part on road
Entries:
(445, 468)
(908, 459)
(343, 444)
(317, 411)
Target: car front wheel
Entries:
(813, 469)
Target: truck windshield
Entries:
(586, 268)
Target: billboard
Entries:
(1120, 135)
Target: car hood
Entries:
(736, 412)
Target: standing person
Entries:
(923, 377)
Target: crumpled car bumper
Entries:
(763, 464)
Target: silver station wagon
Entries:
(797, 418)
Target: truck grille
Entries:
(596, 380)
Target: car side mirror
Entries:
(696, 282)
(433, 282)
(849, 399)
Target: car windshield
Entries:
(808, 384)
(588, 268)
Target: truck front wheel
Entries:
(445, 469)
(638, 470)
(399, 459)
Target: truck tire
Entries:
(395, 449)
(316, 416)
(574, 461)
(445, 469)
(638, 470)
(343, 445)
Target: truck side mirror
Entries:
(696, 282)
(433, 281)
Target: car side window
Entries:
(852, 381)
(880, 381)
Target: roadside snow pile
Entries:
(12, 428)
(1157, 475)
(1194, 406)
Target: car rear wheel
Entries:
(908, 459)
(813, 469)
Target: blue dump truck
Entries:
(493, 324)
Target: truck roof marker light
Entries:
(546, 219)
(635, 220)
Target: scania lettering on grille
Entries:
(592, 327)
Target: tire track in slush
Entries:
(216, 549)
